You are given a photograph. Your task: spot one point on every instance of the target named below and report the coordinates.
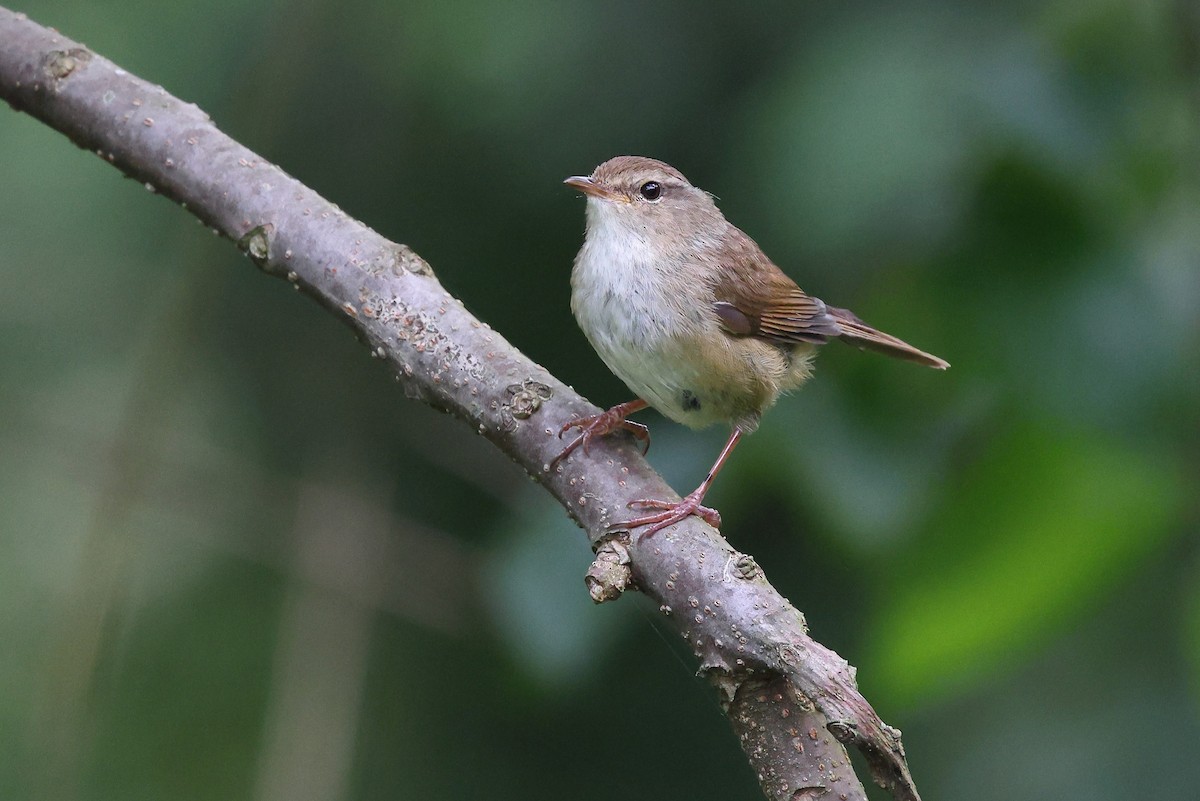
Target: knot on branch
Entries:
(609, 574)
(843, 730)
(397, 259)
(61, 63)
(745, 567)
(524, 400)
(256, 243)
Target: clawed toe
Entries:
(671, 513)
(640, 433)
(602, 424)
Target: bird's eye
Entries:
(651, 190)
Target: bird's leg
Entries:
(672, 513)
(599, 425)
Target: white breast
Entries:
(622, 294)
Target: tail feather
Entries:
(856, 332)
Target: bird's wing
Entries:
(752, 297)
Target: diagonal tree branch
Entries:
(793, 703)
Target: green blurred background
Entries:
(235, 562)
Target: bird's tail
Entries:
(856, 332)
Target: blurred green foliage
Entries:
(236, 563)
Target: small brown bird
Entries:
(693, 317)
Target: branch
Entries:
(792, 701)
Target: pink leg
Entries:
(599, 425)
(672, 513)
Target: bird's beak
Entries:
(585, 184)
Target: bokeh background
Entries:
(235, 562)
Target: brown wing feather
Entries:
(768, 304)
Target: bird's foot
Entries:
(601, 425)
(672, 513)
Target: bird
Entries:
(693, 317)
